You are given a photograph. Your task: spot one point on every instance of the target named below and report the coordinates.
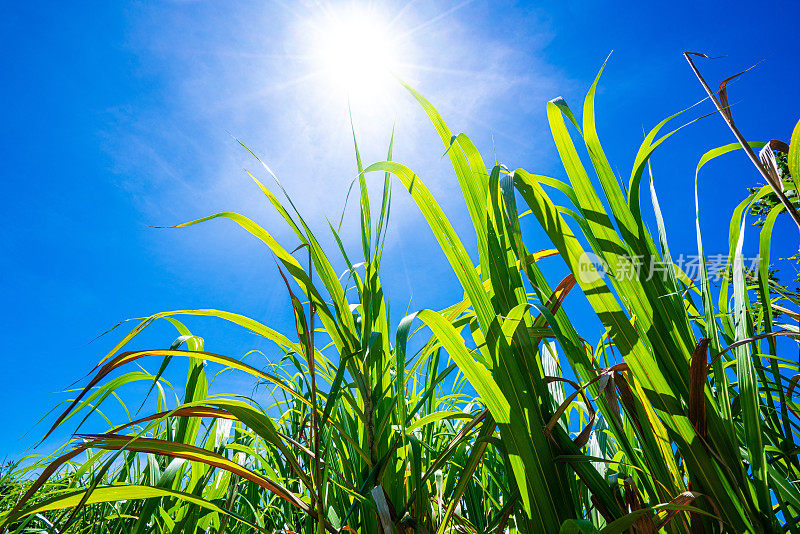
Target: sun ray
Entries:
(438, 17)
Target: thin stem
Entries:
(745, 145)
(314, 410)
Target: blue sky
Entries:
(119, 115)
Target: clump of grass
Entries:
(693, 430)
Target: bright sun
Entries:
(356, 51)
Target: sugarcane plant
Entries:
(492, 415)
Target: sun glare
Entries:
(356, 52)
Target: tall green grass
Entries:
(693, 430)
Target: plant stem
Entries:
(745, 145)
